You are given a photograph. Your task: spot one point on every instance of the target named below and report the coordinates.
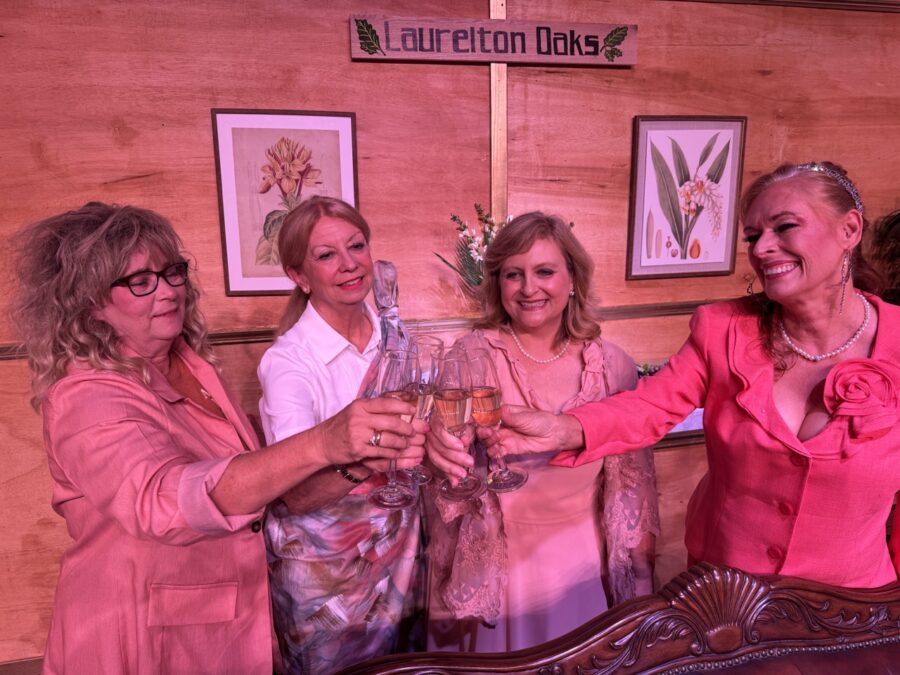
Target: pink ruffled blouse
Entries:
(514, 570)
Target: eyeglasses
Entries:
(144, 283)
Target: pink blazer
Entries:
(771, 503)
(157, 579)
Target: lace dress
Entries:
(513, 570)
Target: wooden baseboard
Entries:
(25, 667)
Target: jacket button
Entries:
(774, 553)
(785, 509)
(256, 526)
(798, 460)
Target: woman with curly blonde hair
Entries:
(155, 468)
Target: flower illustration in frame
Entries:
(288, 167)
(686, 175)
(267, 162)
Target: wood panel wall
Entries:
(110, 100)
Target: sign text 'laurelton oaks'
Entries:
(427, 39)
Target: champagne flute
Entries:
(429, 350)
(453, 404)
(486, 401)
(398, 378)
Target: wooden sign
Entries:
(379, 38)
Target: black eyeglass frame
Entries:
(177, 269)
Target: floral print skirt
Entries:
(345, 582)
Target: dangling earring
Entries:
(846, 271)
(572, 293)
(750, 279)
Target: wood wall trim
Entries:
(678, 439)
(14, 351)
(24, 667)
(499, 174)
(242, 337)
(499, 138)
(11, 352)
(628, 312)
(859, 5)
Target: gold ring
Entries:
(376, 438)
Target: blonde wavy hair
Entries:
(65, 265)
(293, 243)
(580, 319)
(827, 185)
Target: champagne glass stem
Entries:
(392, 472)
(468, 487)
(398, 371)
(470, 471)
(504, 479)
(500, 463)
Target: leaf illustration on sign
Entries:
(369, 41)
(611, 43)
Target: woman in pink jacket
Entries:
(800, 387)
(155, 468)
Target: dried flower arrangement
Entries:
(471, 244)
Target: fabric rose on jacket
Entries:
(863, 391)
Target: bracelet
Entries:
(346, 475)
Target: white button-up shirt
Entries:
(310, 374)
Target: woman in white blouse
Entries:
(341, 570)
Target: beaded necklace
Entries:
(553, 358)
(815, 358)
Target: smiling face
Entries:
(534, 287)
(337, 268)
(796, 242)
(147, 325)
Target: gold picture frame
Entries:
(267, 162)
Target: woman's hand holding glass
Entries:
(398, 378)
(346, 436)
(527, 430)
(453, 406)
(429, 350)
(486, 400)
(449, 453)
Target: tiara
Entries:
(841, 179)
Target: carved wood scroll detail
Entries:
(724, 611)
(707, 618)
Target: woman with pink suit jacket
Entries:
(801, 389)
(771, 503)
(156, 569)
(156, 470)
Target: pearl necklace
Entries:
(553, 358)
(815, 358)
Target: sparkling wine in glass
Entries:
(398, 377)
(429, 350)
(486, 401)
(453, 405)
